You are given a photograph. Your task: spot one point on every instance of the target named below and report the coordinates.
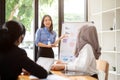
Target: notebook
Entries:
(45, 62)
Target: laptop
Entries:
(45, 62)
(74, 73)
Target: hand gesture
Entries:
(63, 36)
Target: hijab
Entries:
(88, 35)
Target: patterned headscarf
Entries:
(88, 35)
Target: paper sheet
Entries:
(45, 62)
(50, 77)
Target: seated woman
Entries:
(12, 58)
(86, 52)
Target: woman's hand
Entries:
(55, 44)
(59, 62)
(63, 36)
(58, 67)
(24, 72)
(51, 45)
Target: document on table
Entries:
(45, 63)
(50, 77)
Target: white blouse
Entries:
(85, 62)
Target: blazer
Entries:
(12, 62)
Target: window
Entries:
(74, 10)
(22, 10)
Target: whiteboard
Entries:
(67, 46)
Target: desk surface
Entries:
(61, 74)
(74, 77)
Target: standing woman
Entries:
(45, 38)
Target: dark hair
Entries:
(42, 23)
(9, 33)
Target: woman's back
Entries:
(10, 66)
(12, 58)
